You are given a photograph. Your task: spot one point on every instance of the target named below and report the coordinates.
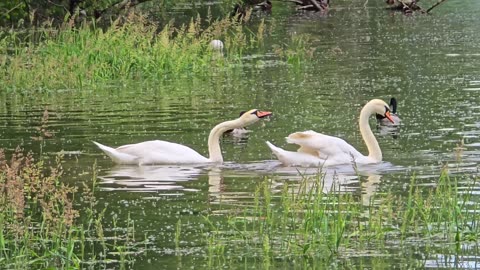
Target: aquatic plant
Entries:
(297, 51)
(305, 224)
(131, 49)
(40, 223)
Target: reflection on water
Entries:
(444, 261)
(148, 178)
(176, 178)
(390, 130)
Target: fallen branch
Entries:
(304, 7)
(124, 4)
(316, 4)
(12, 9)
(437, 4)
(296, 2)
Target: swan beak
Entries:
(389, 117)
(262, 114)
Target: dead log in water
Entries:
(314, 5)
(406, 6)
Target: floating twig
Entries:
(436, 4)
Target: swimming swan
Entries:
(382, 120)
(317, 149)
(163, 152)
(238, 132)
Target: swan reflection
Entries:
(221, 188)
(338, 179)
(393, 131)
(148, 178)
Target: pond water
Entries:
(431, 64)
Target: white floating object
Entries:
(216, 45)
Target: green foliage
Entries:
(132, 50)
(40, 226)
(305, 224)
(19, 13)
(12, 11)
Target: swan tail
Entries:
(278, 152)
(274, 149)
(289, 158)
(117, 156)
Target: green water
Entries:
(431, 64)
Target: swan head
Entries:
(252, 116)
(393, 105)
(381, 108)
(393, 108)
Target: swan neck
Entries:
(214, 150)
(374, 151)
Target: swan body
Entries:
(317, 149)
(163, 152)
(382, 120)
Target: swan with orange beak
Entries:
(163, 152)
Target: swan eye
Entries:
(387, 109)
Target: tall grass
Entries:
(133, 49)
(40, 225)
(305, 224)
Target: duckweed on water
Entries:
(40, 225)
(304, 224)
(132, 50)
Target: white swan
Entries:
(216, 45)
(382, 120)
(163, 152)
(238, 132)
(317, 149)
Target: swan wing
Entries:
(323, 146)
(163, 152)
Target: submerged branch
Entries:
(434, 6)
(316, 4)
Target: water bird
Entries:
(317, 149)
(238, 132)
(163, 152)
(382, 120)
(216, 45)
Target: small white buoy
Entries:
(216, 45)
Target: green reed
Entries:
(131, 49)
(303, 223)
(40, 225)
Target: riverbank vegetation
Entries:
(305, 225)
(131, 49)
(42, 226)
